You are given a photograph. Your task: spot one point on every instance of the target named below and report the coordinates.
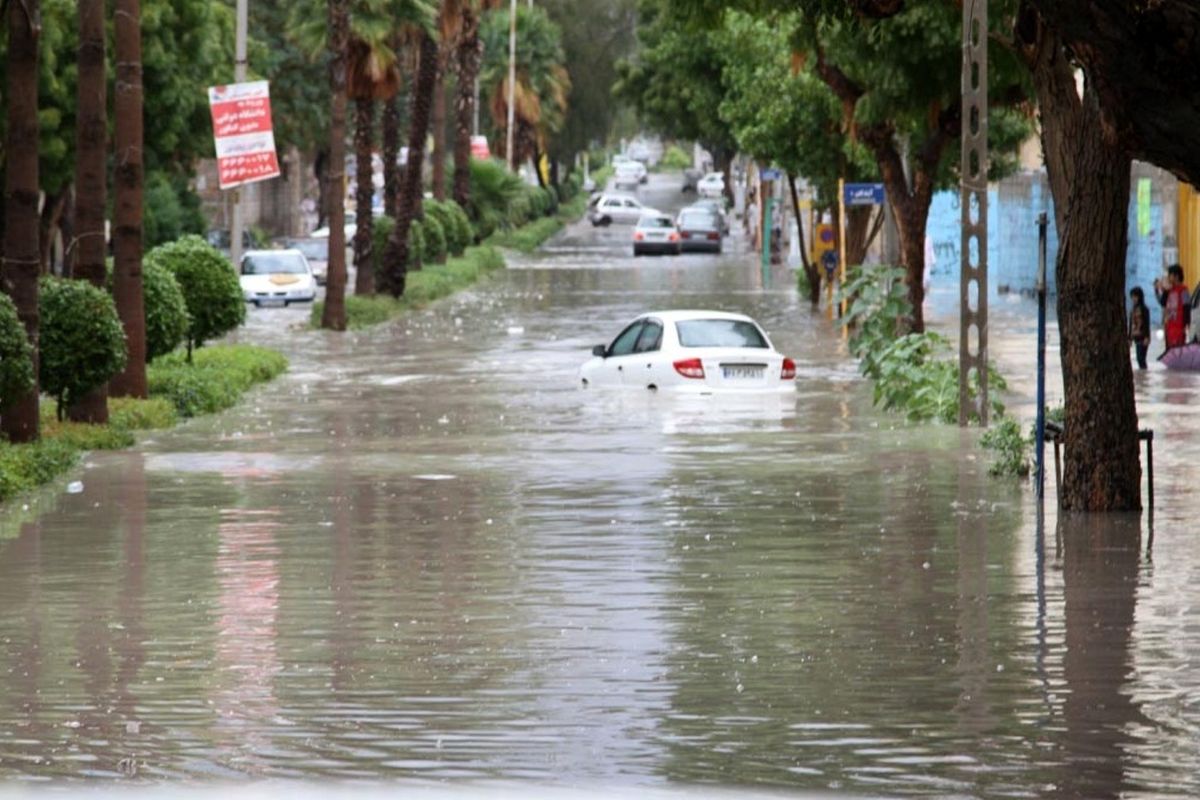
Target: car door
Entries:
(631, 210)
(620, 354)
(645, 368)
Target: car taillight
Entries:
(638, 236)
(690, 368)
(673, 237)
(714, 236)
(686, 235)
(788, 373)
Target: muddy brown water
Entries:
(427, 553)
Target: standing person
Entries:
(751, 219)
(1173, 297)
(1139, 325)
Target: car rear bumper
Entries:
(656, 248)
(700, 246)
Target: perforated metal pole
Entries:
(973, 277)
(237, 223)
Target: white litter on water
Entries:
(515, 330)
(435, 477)
(75, 487)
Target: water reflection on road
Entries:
(426, 552)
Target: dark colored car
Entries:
(699, 230)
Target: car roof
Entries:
(278, 252)
(619, 196)
(685, 315)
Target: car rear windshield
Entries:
(314, 249)
(655, 222)
(274, 264)
(698, 219)
(719, 333)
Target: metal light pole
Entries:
(512, 80)
(239, 76)
(974, 230)
(1040, 444)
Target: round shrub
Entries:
(466, 233)
(416, 244)
(166, 311)
(81, 341)
(210, 287)
(16, 356)
(455, 244)
(381, 231)
(435, 240)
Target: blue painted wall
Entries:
(1013, 208)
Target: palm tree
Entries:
(21, 263)
(450, 21)
(91, 138)
(334, 314)
(396, 254)
(542, 85)
(372, 75)
(468, 55)
(127, 214)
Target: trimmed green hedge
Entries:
(16, 354)
(81, 342)
(216, 378)
(210, 286)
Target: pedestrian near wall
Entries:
(1139, 325)
(1173, 297)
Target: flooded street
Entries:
(427, 553)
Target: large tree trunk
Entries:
(20, 265)
(127, 238)
(858, 234)
(1089, 172)
(396, 255)
(391, 154)
(91, 140)
(811, 271)
(469, 53)
(364, 124)
(438, 122)
(334, 313)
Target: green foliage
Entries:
(166, 310)
(171, 210)
(675, 159)
(215, 304)
(493, 190)
(444, 214)
(1009, 448)
(416, 243)
(16, 355)
(26, 466)
(215, 380)
(464, 233)
(914, 373)
(423, 287)
(434, 251)
(529, 237)
(81, 341)
(137, 414)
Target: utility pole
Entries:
(239, 76)
(512, 80)
(974, 194)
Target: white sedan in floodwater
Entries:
(691, 351)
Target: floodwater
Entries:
(427, 554)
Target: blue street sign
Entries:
(864, 194)
(769, 174)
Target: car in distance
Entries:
(711, 185)
(277, 277)
(700, 230)
(629, 174)
(655, 234)
(717, 204)
(692, 352)
(316, 250)
(610, 208)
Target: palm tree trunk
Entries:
(91, 139)
(128, 181)
(395, 256)
(364, 141)
(391, 154)
(334, 314)
(469, 54)
(20, 265)
(439, 135)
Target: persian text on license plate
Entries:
(742, 373)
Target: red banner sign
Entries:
(245, 141)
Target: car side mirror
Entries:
(600, 350)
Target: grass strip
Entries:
(216, 380)
(424, 286)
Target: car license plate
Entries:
(271, 301)
(742, 373)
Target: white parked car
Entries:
(656, 234)
(277, 277)
(350, 226)
(630, 174)
(610, 208)
(691, 351)
(711, 185)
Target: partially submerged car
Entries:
(691, 351)
(277, 277)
